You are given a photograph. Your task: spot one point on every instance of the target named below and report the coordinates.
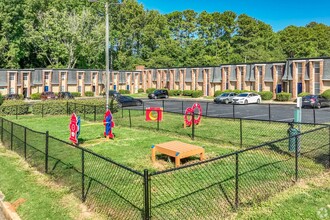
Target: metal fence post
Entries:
(46, 152)
(236, 181)
(146, 195)
(241, 132)
(11, 135)
(143, 108)
(130, 120)
(163, 105)
(193, 126)
(314, 116)
(234, 111)
(83, 198)
(16, 111)
(122, 112)
(42, 110)
(25, 143)
(94, 112)
(296, 158)
(207, 108)
(269, 113)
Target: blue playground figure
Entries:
(294, 138)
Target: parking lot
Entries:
(275, 112)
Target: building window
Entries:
(317, 67)
(279, 70)
(80, 76)
(11, 76)
(62, 76)
(299, 68)
(12, 91)
(260, 87)
(25, 76)
(46, 75)
(79, 88)
(62, 89)
(94, 76)
(259, 70)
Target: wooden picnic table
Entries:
(178, 150)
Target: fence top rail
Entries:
(234, 153)
(18, 125)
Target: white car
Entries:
(247, 98)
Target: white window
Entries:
(79, 88)
(46, 75)
(299, 68)
(260, 70)
(11, 76)
(317, 67)
(12, 91)
(62, 89)
(279, 70)
(80, 76)
(94, 76)
(62, 76)
(260, 87)
(25, 76)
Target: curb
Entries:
(7, 210)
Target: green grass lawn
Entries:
(262, 172)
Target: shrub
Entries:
(326, 94)
(217, 93)
(283, 96)
(89, 93)
(35, 96)
(187, 92)
(76, 94)
(140, 90)
(150, 90)
(266, 95)
(124, 91)
(1, 99)
(9, 107)
(302, 94)
(197, 93)
(174, 92)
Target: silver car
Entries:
(247, 98)
(226, 97)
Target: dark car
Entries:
(124, 101)
(47, 95)
(12, 97)
(114, 94)
(158, 94)
(65, 95)
(315, 101)
(226, 97)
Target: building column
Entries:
(256, 77)
(294, 80)
(303, 85)
(193, 78)
(244, 77)
(321, 77)
(238, 78)
(158, 74)
(83, 84)
(205, 77)
(171, 80)
(263, 73)
(223, 80)
(149, 75)
(50, 79)
(22, 82)
(181, 74)
(275, 79)
(228, 80)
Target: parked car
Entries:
(124, 101)
(65, 95)
(158, 94)
(114, 94)
(12, 97)
(315, 101)
(247, 98)
(47, 95)
(226, 97)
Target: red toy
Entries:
(74, 129)
(109, 124)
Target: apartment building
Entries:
(293, 75)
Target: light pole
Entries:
(107, 71)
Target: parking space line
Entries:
(255, 116)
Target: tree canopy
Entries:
(71, 34)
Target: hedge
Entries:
(266, 95)
(302, 94)
(89, 93)
(283, 96)
(150, 90)
(1, 99)
(35, 96)
(124, 91)
(140, 90)
(187, 92)
(197, 93)
(326, 94)
(76, 94)
(174, 92)
(9, 107)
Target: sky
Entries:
(277, 13)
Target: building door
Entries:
(93, 88)
(46, 88)
(115, 87)
(279, 88)
(127, 87)
(24, 92)
(299, 85)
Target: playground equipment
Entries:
(74, 127)
(108, 124)
(190, 112)
(151, 117)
